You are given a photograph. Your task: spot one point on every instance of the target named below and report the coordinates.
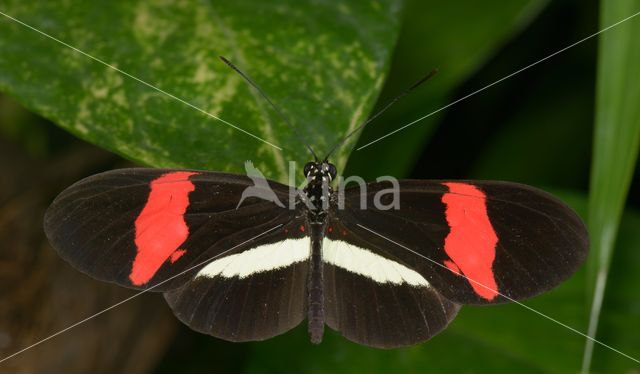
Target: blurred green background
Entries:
(570, 125)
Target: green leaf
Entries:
(616, 143)
(338, 356)
(455, 37)
(323, 63)
(620, 315)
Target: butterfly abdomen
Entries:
(315, 310)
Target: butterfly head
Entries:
(320, 171)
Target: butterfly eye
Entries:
(307, 168)
(333, 172)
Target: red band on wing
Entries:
(160, 227)
(452, 266)
(471, 242)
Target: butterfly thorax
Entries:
(318, 190)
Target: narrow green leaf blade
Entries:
(323, 63)
(616, 142)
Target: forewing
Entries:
(142, 228)
(476, 242)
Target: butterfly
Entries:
(386, 264)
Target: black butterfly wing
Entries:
(238, 273)
(142, 228)
(372, 296)
(383, 314)
(248, 305)
(475, 242)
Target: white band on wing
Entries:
(368, 264)
(278, 255)
(259, 259)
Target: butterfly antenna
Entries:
(273, 105)
(378, 113)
